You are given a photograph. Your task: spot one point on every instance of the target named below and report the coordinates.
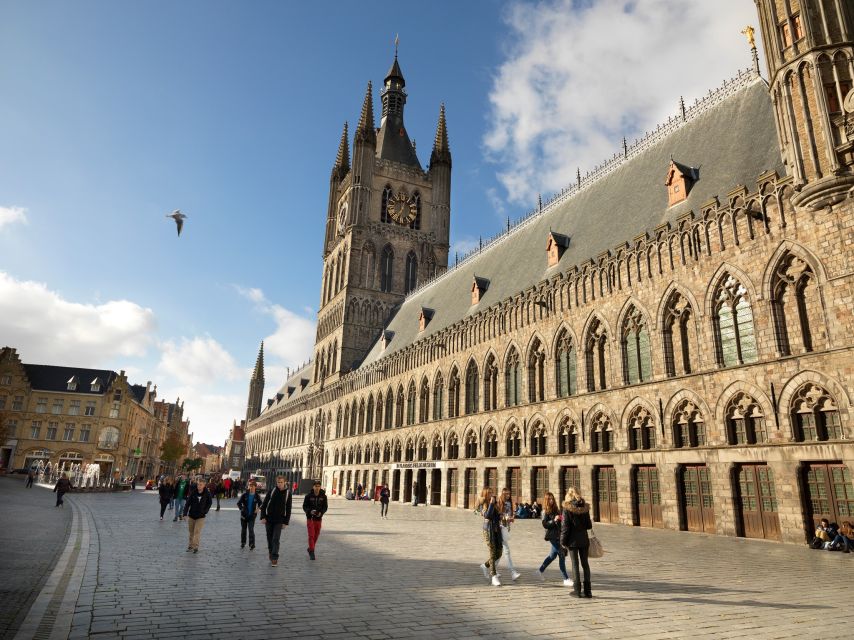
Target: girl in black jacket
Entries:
(552, 524)
(491, 511)
(167, 492)
(573, 535)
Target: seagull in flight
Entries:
(179, 219)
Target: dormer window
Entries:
(555, 246)
(95, 385)
(478, 288)
(424, 318)
(72, 383)
(680, 179)
(386, 338)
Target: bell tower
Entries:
(809, 46)
(387, 228)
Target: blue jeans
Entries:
(561, 560)
(179, 507)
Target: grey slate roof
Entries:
(393, 143)
(292, 389)
(46, 377)
(731, 143)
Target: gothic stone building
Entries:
(673, 333)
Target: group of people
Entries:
(524, 510)
(192, 500)
(566, 528)
(831, 537)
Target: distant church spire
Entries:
(342, 160)
(365, 131)
(256, 387)
(441, 151)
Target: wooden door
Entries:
(606, 494)
(471, 488)
(539, 483)
(395, 485)
(452, 488)
(407, 485)
(830, 493)
(647, 492)
(490, 479)
(757, 501)
(514, 483)
(569, 477)
(436, 487)
(697, 498)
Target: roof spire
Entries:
(342, 160)
(365, 130)
(441, 151)
(258, 373)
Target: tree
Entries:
(172, 449)
(191, 464)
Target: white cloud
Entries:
(11, 215)
(46, 328)
(460, 247)
(580, 75)
(210, 414)
(198, 361)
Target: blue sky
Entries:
(115, 113)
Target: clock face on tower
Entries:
(402, 209)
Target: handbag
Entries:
(596, 550)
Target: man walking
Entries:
(314, 505)
(384, 496)
(63, 486)
(182, 488)
(198, 504)
(275, 514)
(30, 478)
(249, 505)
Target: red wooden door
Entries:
(471, 488)
(697, 498)
(514, 483)
(452, 488)
(648, 496)
(830, 493)
(569, 477)
(606, 494)
(757, 502)
(539, 483)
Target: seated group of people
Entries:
(359, 494)
(528, 509)
(832, 537)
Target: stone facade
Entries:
(694, 376)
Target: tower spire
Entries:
(256, 387)
(441, 151)
(365, 131)
(342, 160)
(258, 373)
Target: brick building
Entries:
(671, 333)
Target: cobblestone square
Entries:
(415, 575)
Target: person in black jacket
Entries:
(314, 505)
(275, 514)
(249, 506)
(573, 536)
(552, 524)
(384, 496)
(167, 492)
(198, 504)
(63, 486)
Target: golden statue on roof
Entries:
(749, 32)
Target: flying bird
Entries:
(179, 219)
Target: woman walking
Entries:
(507, 518)
(384, 496)
(167, 493)
(491, 511)
(573, 535)
(552, 524)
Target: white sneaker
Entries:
(568, 582)
(485, 570)
(540, 575)
(515, 575)
(495, 581)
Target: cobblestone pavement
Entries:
(32, 536)
(416, 576)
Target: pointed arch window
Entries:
(796, 307)
(641, 426)
(637, 361)
(416, 223)
(389, 409)
(369, 260)
(387, 452)
(512, 379)
(422, 448)
(438, 399)
(514, 441)
(398, 416)
(369, 415)
(536, 372)
(734, 324)
(567, 437)
(745, 421)
(601, 433)
(471, 388)
(490, 384)
(689, 429)
(538, 439)
(386, 268)
(410, 404)
(386, 198)
(565, 377)
(815, 415)
(471, 445)
(410, 451)
(398, 451)
(424, 402)
(679, 335)
(454, 394)
(453, 447)
(596, 355)
(411, 277)
(490, 444)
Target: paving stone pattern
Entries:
(416, 576)
(32, 537)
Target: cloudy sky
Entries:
(115, 113)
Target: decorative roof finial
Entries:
(749, 33)
(396, 43)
